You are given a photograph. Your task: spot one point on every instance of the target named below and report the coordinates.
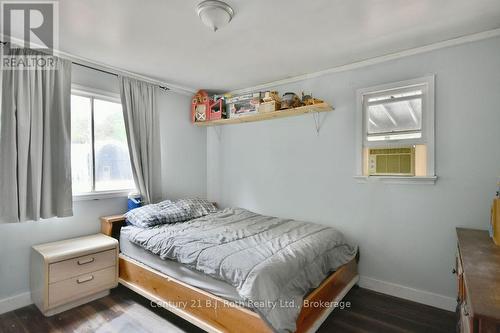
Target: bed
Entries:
(165, 265)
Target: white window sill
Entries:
(397, 179)
(101, 195)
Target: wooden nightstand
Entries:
(478, 272)
(72, 272)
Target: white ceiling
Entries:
(267, 40)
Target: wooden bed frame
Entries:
(213, 313)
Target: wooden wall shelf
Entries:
(321, 107)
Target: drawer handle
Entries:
(85, 261)
(90, 278)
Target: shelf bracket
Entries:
(317, 122)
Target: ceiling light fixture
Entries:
(214, 14)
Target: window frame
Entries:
(93, 93)
(428, 129)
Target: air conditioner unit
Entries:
(391, 161)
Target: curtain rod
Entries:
(98, 69)
(110, 73)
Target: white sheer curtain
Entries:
(35, 139)
(141, 123)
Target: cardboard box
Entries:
(269, 106)
(242, 105)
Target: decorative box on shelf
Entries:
(269, 106)
(271, 102)
(242, 105)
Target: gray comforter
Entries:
(272, 262)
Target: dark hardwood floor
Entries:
(126, 311)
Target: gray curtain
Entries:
(35, 140)
(141, 123)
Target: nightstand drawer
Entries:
(77, 266)
(68, 290)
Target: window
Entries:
(396, 131)
(100, 161)
(394, 115)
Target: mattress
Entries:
(178, 271)
(271, 262)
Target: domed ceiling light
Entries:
(214, 14)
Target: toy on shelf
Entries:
(204, 108)
(290, 100)
(310, 100)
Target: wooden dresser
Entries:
(71, 272)
(478, 272)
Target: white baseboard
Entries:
(15, 302)
(416, 295)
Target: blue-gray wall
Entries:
(406, 233)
